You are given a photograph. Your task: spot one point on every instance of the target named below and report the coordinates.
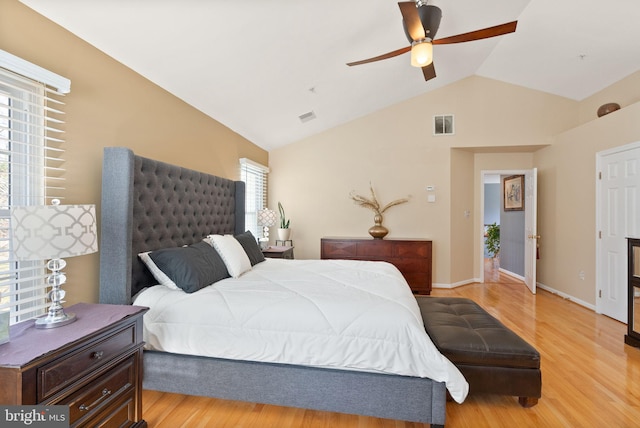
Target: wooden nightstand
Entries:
(93, 365)
(278, 252)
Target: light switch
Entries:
(431, 198)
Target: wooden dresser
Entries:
(411, 256)
(93, 365)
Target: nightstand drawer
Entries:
(120, 414)
(102, 392)
(57, 375)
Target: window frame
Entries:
(255, 177)
(31, 126)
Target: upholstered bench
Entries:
(491, 357)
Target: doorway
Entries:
(518, 228)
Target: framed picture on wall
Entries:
(514, 193)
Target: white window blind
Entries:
(31, 172)
(255, 177)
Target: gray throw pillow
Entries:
(251, 247)
(191, 268)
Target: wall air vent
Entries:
(443, 124)
(307, 117)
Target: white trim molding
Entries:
(34, 72)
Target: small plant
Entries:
(284, 223)
(493, 239)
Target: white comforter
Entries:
(353, 315)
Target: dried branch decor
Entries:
(372, 203)
(378, 231)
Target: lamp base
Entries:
(57, 320)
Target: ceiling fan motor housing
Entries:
(430, 17)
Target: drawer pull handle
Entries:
(105, 393)
(97, 355)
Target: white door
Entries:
(619, 218)
(530, 228)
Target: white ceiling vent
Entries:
(443, 124)
(307, 117)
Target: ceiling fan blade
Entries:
(411, 20)
(381, 57)
(485, 33)
(429, 72)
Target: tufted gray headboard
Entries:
(147, 205)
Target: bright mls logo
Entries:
(34, 416)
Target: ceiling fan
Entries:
(421, 22)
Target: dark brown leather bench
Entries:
(491, 357)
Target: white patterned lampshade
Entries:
(266, 217)
(52, 232)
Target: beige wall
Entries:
(395, 150)
(498, 126)
(110, 105)
(462, 209)
(567, 202)
(624, 92)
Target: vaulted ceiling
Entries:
(256, 66)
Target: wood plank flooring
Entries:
(590, 378)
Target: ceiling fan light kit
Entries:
(420, 23)
(421, 53)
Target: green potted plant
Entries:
(493, 240)
(284, 233)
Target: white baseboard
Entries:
(455, 284)
(566, 296)
(511, 274)
(540, 285)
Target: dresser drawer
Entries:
(375, 250)
(417, 249)
(411, 265)
(411, 256)
(57, 375)
(101, 392)
(418, 281)
(338, 249)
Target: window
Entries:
(443, 124)
(255, 177)
(30, 171)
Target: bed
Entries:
(149, 205)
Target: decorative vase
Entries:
(378, 231)
(608, 108)
(284, 234)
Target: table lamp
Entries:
(52, 232)
(266, 219)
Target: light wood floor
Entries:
(590, 378)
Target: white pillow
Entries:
(160, 276)
(232, 254)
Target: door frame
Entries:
(483, 174)
(599, 162)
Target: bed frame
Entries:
(148, 205)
